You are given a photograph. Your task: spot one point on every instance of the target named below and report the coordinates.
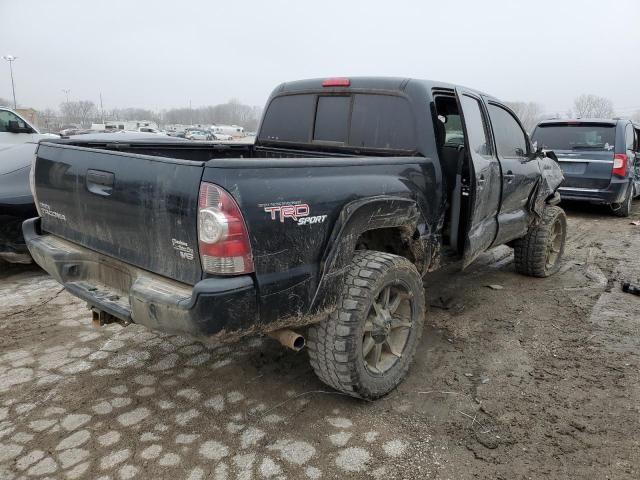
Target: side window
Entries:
(6, 117)
(454, 134)
(476, 127)
(630, 138)
(511, 141)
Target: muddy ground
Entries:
(537, 380)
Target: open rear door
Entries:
(485, 181)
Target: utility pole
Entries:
(101, 107)
(11, 59)
(66, 92)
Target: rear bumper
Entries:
(225, 308)
(614, 193)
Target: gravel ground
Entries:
(536, 380)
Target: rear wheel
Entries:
(538, 254)
(366, 346)
(624, 209)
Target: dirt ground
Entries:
(539, 379)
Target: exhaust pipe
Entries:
(288, 338)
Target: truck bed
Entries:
(137, 202)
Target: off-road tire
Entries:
(533, 251)
(335, 345)
(624, 209)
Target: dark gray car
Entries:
(599, 158)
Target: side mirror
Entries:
(13, 126)
(549, 154)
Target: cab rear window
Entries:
(279, 123)
(363, 121)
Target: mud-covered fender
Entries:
(550, 179)
(356, 218)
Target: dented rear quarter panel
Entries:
(297, 263)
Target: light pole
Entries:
(11, 59)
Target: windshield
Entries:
(595, 136)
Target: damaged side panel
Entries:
(550, 179)
(305, 216)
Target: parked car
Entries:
(221, 136)
(15, 130)
(600, 159)
(17, 149)
(151, 130)
(198, 135)
(324, 227)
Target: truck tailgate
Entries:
(136, 208)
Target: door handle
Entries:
(100, 182)
(509, 176)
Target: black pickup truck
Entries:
(353, 191)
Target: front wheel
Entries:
(366, 346)
(539, 252)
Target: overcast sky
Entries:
(161, 54)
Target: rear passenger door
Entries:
(484, 177)
(519, 172)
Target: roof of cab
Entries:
(605, 121)
(367, 83)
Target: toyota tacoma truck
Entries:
(321, 232)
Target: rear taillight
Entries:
(619, 165)
(222, 234)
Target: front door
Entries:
(484, 177)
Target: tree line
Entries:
(86, 112)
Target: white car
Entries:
(198, 135)
(222, 136)
(151, 130)
(15, 130)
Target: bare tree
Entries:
(49, 121)
(592, 106)
(80, 112)
(86, 109)
(231, 113)
(529, 113)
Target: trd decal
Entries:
(312, 220)
(293, 212)
(299, 213)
